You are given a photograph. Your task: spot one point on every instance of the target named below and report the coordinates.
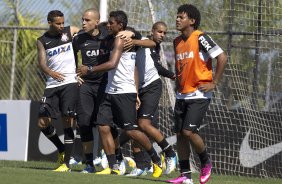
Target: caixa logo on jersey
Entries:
(59, 50)
(3, 132)
(97, 52)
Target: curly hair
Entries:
(192, 12)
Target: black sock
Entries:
(68, 139)
(185, 168)
(111, 160)
(77, 151)
(118, 153)
(141, 161)
(50, 133)
(167, 149)
(204, 157)
(154, 156)
(89, 159)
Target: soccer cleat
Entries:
(74, 162)
(170, 164)
(179, 179)
(205, 173)
(129, 162)
(115, 172)
(61, 157)
(88, 169)
(63, 168)
(108, 171)
(137, 172)
(151, 170)
(157, 170)
(122, 167)
(105, 171)
(97, 161)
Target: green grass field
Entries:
(12, 172)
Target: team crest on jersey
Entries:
(64, 37)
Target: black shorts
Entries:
(149, 97)
(190, 113)
(60, 100)
(119, 109)
(89, 99)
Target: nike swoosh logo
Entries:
(86, 44)
(190, 125)
(45, 146)
(48, 43)
(171, 140)
(145, 115)
(250, 157)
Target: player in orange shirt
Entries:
(194, 51)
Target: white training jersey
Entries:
(121, 79)
(147, 71)
(60, 57)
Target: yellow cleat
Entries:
(105, 171)
(61, 157)
(108, 171)
(157, 171)
(116, 172)
(63, 168)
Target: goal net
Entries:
(243, 127)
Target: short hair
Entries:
(93, 10)
(120, 17)
(156, 24)
(192, 12)
(54, 13)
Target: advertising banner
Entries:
(14, 129)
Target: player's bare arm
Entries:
(111, 64)
(42, 63)
(221, 62)
(144, 43)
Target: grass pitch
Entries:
(17, 172)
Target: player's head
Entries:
(90, 20)
(56, 21)
(103, 26)
(158, 31)
(117, 21)
(187, 15)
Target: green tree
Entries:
(26, 83)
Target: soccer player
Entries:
(150, 90)
(194, 51)
(56, 60)
(119, 103)
(94, 45)
(90, 43)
